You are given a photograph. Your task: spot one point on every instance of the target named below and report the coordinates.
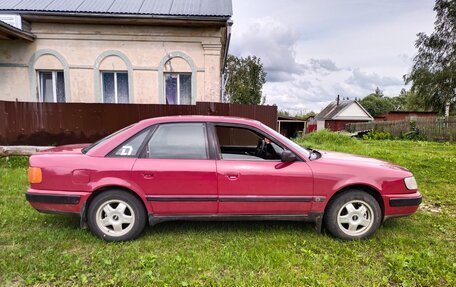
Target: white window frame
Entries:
(178, 85)
(116, 96)
(54, 84)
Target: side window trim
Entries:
(112, 153)
(154, 128)
(253, 129)
(214, 146)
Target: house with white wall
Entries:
(338, 113)
(113, 51)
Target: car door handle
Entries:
(148, 175)
(233, 176)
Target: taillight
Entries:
(35, 175)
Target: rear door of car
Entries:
(249, 185)
(177, 170)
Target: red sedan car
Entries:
(217, 168)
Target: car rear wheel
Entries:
(353, 215)
(116, 216)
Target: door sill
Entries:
(311, 217)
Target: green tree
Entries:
(408, 101)
(433, 75)
(376, 104)
(245, 80)
(304, 116)
(400, 102)
(282, 113)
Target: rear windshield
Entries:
(87, 148)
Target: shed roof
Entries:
(197, 8)
(331, 111)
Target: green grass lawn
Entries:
(40, 249)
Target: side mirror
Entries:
(288, 156)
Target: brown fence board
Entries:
(435, 129)
(32, 123)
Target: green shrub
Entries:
(414, 135)
(327, 138)
(14, 161)
(378, 135)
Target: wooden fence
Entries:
(434, 129)
(32, 123)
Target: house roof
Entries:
(8, 32)
(331, 111)
(408, 112)
(289, 119)
(171, 8)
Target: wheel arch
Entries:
(362, 187)
(104, 189)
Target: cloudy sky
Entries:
(314, 50)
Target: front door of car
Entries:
(253, 180)
(176, 172)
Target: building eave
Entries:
(123, 19)
(337, 117)
(8, 32)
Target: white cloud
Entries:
(274, 43)
(315, 50)
(370, 81)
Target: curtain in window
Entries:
(185, 89)
(47, 90)
(60, 88)
(108, 88)
(171, 88)
(122, 87)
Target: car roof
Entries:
(198, 118)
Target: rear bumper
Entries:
(401, 204)
(52, 201)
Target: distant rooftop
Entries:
(332, 109)
(172, 8)
(335, 110)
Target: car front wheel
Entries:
(116, 216)
(353, 215)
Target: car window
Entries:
(89, 147)
(130, 148)
(288, 141)
(179, 141)
(237, 143)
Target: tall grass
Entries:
(328, 140)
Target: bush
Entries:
(414, 135)
(327, 138)
(377, 135)
(14, 162)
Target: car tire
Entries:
(116, 215)
(353, 215)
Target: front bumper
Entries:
(52, 201)
(401, 204)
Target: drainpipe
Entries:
(224, 79)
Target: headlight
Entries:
(410, 182)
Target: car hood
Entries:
(358, 160)
(73, 148)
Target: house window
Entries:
(178, 88)
(115, 87)
(51, 86)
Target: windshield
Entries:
(87, 148)
(288, 141)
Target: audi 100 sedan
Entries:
(215, 168)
